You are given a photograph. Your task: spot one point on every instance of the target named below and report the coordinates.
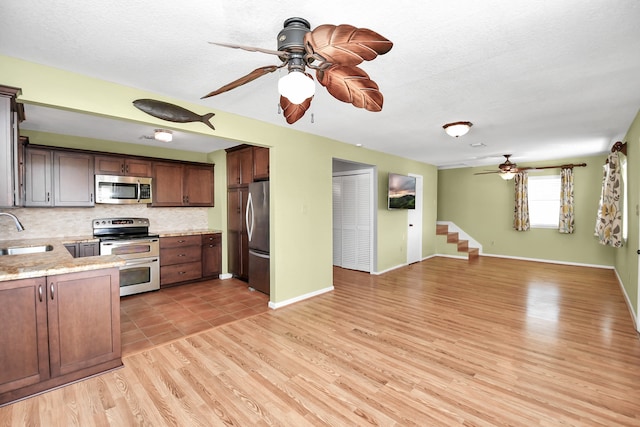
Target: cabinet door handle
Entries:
(182, 254)
(52, 290)
(91, 198)
(48, 196)
(40, 292)
(122, 168)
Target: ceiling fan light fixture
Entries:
(296, 86)
(507, 175)
(163, 135)
(457, 129)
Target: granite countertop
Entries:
(56, 261)
(187, 232)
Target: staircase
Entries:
(473, 254)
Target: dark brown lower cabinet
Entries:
(211, 255)
(180, 259)
(57, 329)
(237, 238)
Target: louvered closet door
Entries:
(337, 221)
(353, 214)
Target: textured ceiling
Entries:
(538, 79)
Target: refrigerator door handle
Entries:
(259, 255)
(246, 216)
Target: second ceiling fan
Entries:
(508, 169)
(333, 51)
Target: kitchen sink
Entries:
(18, 250)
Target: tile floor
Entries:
(153, 318)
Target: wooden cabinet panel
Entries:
(239, 167)
(180, 259)
(11, 113)
(38, 176)
(198, 185)
(137, 167)
(260, 163)
(173, 274)
(176, 184)
(54, 178)
(58, 329)
(84, 319)
(73, 180)
(179, 241)
(237, 238)
(115, 165)
(211, 255)
(89, 249)
(79, 250)
(167, 184)
(180, 255)
(24, 350)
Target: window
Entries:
(544, 201)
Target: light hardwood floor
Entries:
(438, 343)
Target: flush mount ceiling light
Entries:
(457, 129)
(163, 135)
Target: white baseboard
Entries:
(634, 315)
(225, 276)
(551, 261)
(275, 305)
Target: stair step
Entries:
(463, 245)
(442, 229)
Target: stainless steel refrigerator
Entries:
(257, 219)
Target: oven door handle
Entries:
(133, 242)
(144, 261)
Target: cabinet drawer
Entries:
(212, 239)
(170, 256)
(180, 273)
(180, 241)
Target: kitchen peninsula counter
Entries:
(54, 262)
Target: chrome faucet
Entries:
(19, 225)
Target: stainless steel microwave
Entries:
(115, 189)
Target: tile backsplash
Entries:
(61, 222)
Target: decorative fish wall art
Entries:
(171, 112)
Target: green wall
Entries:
(482, 205)
(300, 168)
(626, 258)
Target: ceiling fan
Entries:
(505, 168)
(508, 169)
(333, 51)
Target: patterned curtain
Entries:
(521, 211)
(566, 223)
(609, 222)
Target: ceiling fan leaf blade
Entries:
(253, 49)
(352, 85)
(345, 44)
(293, 112)
(258, 72)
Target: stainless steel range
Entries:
(129, 238)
